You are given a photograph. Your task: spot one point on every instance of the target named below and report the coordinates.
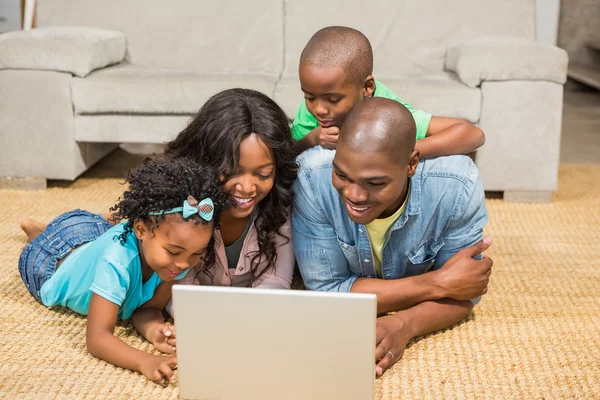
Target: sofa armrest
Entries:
(503, 59)
(77, 50)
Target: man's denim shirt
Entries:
(445, 213)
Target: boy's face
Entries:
(371, 185)
(329, 96)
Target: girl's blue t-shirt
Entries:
(105, 266)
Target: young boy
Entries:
(336, 68)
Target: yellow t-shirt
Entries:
(378, 230)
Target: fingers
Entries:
(331, 130)
(166, 371)
(166, 330)
(479, 247)
(381, 350)
(386, 362)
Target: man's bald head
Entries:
(380, 125)
(339, 46)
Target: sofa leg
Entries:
(18, 183)
(527, 196)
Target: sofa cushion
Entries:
(228, 36)
(407, 36)
(134, 89)
(121, 128)
(78, 50)
(439, 94)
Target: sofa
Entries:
(94, 74)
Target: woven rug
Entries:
(536, 335)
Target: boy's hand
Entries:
(163, 338)
(462, 276)
(158, 369)
(326, 137)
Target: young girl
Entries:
(80, 262)
(245, 136)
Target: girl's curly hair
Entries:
(161, 183)
(213, 137)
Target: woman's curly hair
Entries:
(160, 184)
(213, 137)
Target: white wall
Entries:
(10, 15)
(547, 12)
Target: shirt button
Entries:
(360, 230)
(367, 260)
(345, 246)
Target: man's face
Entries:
(371, 184)
(328, 95)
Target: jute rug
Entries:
(536, 335)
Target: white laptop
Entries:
(250, 344)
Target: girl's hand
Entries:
(164, 338)
(158, 369)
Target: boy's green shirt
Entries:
(305, 122)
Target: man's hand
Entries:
(392, 336)
(326, 137)
(158, 369)
(464, 278)
(163, 338)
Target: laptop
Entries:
(251, 344)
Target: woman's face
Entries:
(254, 178)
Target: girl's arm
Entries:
(447, 136)
(149, 321)
(102, 344)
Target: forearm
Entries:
(433, 316)
(400, 294)
(105, 346)
(146, 320)
(303, 144)
(460, 138)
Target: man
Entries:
(371, 218)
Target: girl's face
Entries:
(173, 247)
(254, 178)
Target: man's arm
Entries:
(318, 253)
(447, 136)
(462, 278)
(395, 331)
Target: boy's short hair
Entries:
(340, 46)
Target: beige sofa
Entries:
(137, 70)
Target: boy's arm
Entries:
(447, 136)
(326, 137)
(102, 344)
(149, 321)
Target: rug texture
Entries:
(535, 335)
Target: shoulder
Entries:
(117, 253)
(456, 169)
(449, 183)
(315, 158)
